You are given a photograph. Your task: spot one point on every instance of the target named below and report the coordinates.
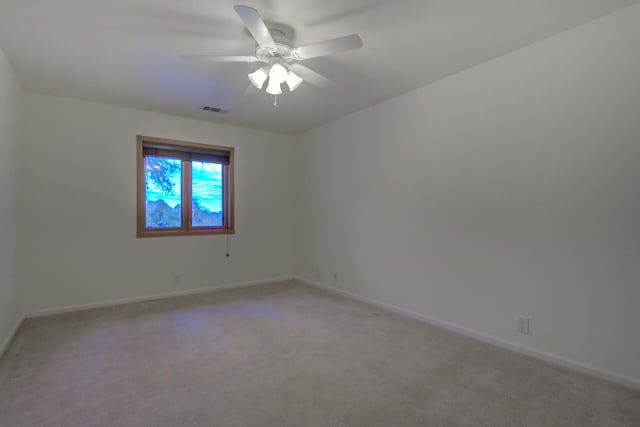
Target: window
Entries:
(184, 188)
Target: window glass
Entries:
(206, 194)
(163, 192)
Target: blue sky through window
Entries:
(206, 184)
(206, 191)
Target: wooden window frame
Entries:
(187, 229)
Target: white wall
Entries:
(10, 299)
(508, 189)
(79, 178)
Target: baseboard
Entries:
(12, 333)
(109, 303)
(550, 358)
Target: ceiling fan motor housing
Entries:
(282, 36)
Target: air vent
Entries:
(214, 109)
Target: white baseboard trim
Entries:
(550, 358)
(5, 344)
(143, 298)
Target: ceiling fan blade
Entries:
(256, 26)
(310, 76)
(217, 58)
(328, 47)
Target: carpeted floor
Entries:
(282, 355)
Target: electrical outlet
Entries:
(177, 280)
(335, 277)
(523, 325)
(316, 274)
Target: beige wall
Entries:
(79, 178)
(508, 189)
(10, 98)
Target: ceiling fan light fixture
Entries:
(273, 88)
(258, 77)
(277, 73)
(293, 81)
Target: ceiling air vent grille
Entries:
(214, 109)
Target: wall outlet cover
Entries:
(523, 325)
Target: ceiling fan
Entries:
(275, 49)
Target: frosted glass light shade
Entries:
(258, 77)
(273, 88)
(293, 81)
(278, 74)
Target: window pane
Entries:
(206, 194)
(163, 192)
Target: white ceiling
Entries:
(126, 52)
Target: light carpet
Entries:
(283, 355)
